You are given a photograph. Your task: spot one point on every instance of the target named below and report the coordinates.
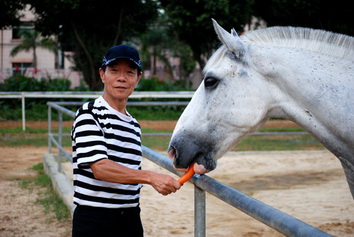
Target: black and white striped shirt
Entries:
(101, 132)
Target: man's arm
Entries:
(110, 171)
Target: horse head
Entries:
(222, 110)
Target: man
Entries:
(107, 155)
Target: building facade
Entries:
(49, 64)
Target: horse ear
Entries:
(233, 32)
(231, 40)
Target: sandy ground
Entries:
(307, 185)
(20, 215)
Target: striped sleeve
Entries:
(88, 139)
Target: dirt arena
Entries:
(307, 185)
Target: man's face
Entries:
(119, 81)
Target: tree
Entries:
(31, 40)
(159, 43)
(10, 13)
(90, 27)
(333, 16)
(191, 20)
(153, 46)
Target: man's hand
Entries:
(164, 184)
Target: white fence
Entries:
(85, 95)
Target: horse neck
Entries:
(313, 90)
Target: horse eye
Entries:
(210, 81)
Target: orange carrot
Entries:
(189, 174)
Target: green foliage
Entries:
(187, 65)
(22, 83)
(158, 84)
(191, 21)
(154, 84)
(184, 85)
(158, 43)
(10, 110)
(90, 27)
(58, 84)
(36, 108)
(156, 112)
(81, 87)
(10, 13)
(327, 15)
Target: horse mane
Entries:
(325, 42)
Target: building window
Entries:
(25, 25)
(20, 68)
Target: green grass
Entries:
(156, 112)
(278, 143)
(23, 139)
(39, 111)
(30, 137)
(39, 137)
(47, 197)
(159, 143)
(250, 143)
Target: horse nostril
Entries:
(172, 153)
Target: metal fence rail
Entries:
(86, 95)
(95, 94)
(162, 103)
(137, 94)
(268, 215)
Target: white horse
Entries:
(299, 74)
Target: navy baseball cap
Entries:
(119, 52)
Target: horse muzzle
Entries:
(183, 152)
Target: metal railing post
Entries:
(23, 111)
(60, 138)
(49, 129)
(199, 212)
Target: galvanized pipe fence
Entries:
(136, 94)
(262, 212)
